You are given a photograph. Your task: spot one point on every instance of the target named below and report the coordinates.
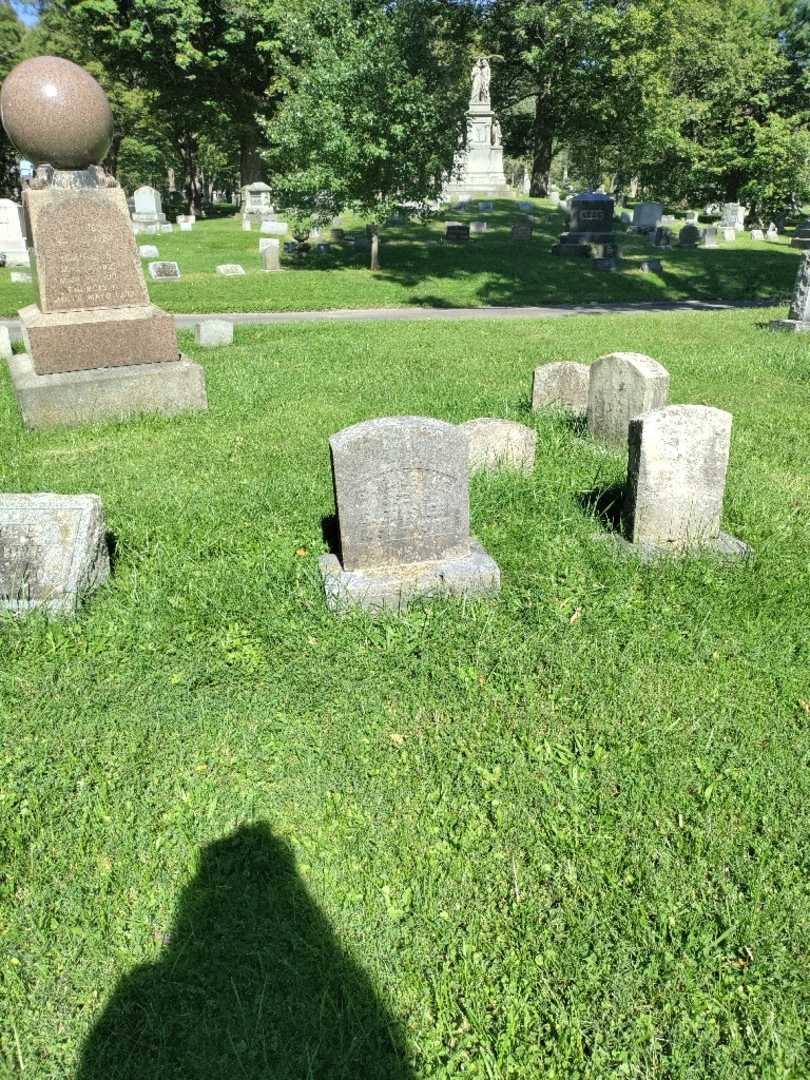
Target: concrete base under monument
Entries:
(110, 393)
(790, 326)
(63, 341)
(393, 588)
(722, 546)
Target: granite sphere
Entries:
(56, 113)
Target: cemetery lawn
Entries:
(419, 269)
(561, 834)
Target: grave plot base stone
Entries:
(98, 337)
(393, 588)
(790, 326)
(53, 551)
(723, 546)
(111, 393)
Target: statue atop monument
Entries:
(480, 82)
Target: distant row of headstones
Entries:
(401, 487)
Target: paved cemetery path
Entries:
(410, 314)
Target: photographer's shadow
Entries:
(251, 985)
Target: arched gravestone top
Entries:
(623, 385)
(147, 200)
(401, 490)
(500, 444)
(676, 476)
(563, 383)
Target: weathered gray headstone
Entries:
(478, 227)
(710, 236)
(401, 492)
(563, 384)
(733, 216)
(186, 226)
(647, 216)
(6, 351)
(626, 217)
(801, 235)
(651, 266)
(164, 271)
(772, 233)
(500, 444)
(271, 256)
(456, 232)
(149, 251)
(692, 217)
(689, 236)
(668, 220)
(53, 551)
(728, 234)
(148, 208)
(798, 320)
(757, 235)
(12, 234)
(486, 205)
(522, 230)
(230, 269)
(623, 385)
(662, 237)
(247, 224)
(214, 332)
(20, 277)
(676, 480)
(274, 228)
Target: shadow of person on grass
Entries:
(252, 985)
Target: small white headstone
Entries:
(500, 444)
(563, 384)
(186, 226)
(164, 271)
(214, 332)
(6, 351)
(149, 251)
(167, 227)
(246, 224)
(12, 234)
(478, 227)
(230, 269)
(757, 235)
(274, 228)
(20, 277)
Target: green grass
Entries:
(419, 269)
(560, 834)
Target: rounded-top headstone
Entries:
(56, 113)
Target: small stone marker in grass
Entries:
(148, 251)
(801, 236)
(563, 384)
(486, 205)
(676, 480)
(12, 234)
(20, 277)
(164, 271)
(623, 385)
(247, 225)
(500, 444)
(271, 256)
(772, 233)
(522, 230)
(214, 332)
(691, 217)
(186, 219)
(167, 227)
(727, 234)
(689, 236)
(757, 235)
(6, 351)
(710, 236)
(186, 226)
(798, 320)
(401, 491)
(274, 228)
(651, 266)
(478, 227)
(663, 237)
(230, 269)
(456, 232)
(53, 551)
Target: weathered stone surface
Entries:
(148, 251)
(256, 201)
(6, 351)
(54, 111)
(676, 479)
(21, 277)
(106, 337)
(651, 266)
(247, 224)
(167, 227)
(772, 233)
(275, 228)
(79, 397)
(733, 216)
(690, 236)
(186, 226)
(230, 269)
(647, 215)
(478, 227)
(757, 235)
(710, 237)
(662, 237)
(500, 444)
(148, 206)
(86, 256)
(401, 490)
(798, 320)
(164, 271)
(522, 230)
(53, 551)
(13, 243)
(692, 217)
(622, 386)
(563, 384)
(213, 332)
(728, 234)
(271, 256)
(486, 205)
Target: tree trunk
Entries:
(251, 166)
(375, 248)
(542, 151)
(193, 190)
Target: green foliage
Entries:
(12, 33)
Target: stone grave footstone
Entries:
(710, 236)
(626, 217)
(662, 237)
(563, 384)
(522, 230)
(651, 266)
(623, 385)
(164, 271)
(213, 332)
(21, 277)
(772, 233)
(186, 226)
(798, 320)
(167, 228)
(274, 228)
(96, 345)
(186, 219)
(757, 235)
(247, 224)
(728, 235)
(401, 492)
(478, 227)
(148, 251)
(230, 269)
(500, 444)
(456, 232)
(689, 236)
(53, 551)
(6, 350)
(13, 243)
(271, 256)
(676, 479)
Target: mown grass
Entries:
(560, 834)
(419, 269)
